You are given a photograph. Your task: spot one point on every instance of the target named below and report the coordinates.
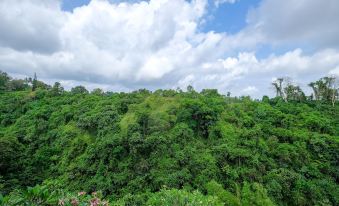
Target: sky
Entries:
(239, 46)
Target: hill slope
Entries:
(168, 148)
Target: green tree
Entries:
(17, 85)
(215, 189)
(57, 89)
(182, 198)
(34, 82)
(325, 89)
(4, 79)
(79, 90)
(254, 194)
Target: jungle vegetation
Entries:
(167, 147)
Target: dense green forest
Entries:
(167, 147)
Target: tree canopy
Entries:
(167, 147)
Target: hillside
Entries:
(166, 148)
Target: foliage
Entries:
(182, 198)
(165, 148)
(41, 196)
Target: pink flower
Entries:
(74, 202)
(95, 202)
(81, 193)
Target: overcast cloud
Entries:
(313, 23)
(160, 44)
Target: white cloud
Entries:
(219, 2)
(293, 63)
(250, 90)
(159, 44)
(335, 71)
(126, 43)
(247, 71)
(312, 23)
(31, 25)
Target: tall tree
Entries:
(4, 79)
(288, 90)
(79, 90)
(315, 90)
(278, 86)
(57, 89)
(333, 89)
(294, 93)
(325, 89)
(34, 82)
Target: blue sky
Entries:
(230, 45)
(69, 5)
(230, 18)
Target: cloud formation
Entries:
(160, 44)
(121, 43)
(305, 22)
(244, 72)
(31, 25)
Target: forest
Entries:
(167, 147)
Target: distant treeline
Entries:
(325, 89)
